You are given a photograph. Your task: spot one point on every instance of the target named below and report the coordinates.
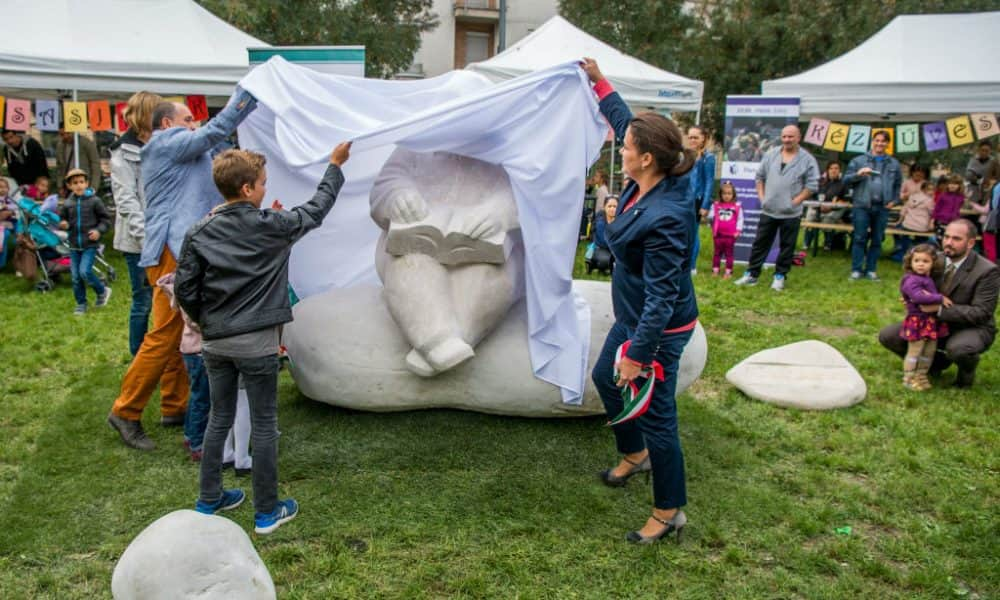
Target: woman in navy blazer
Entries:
(653, 299)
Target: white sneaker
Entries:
(873, 277)
(102, 300)
(779, 282)
(746, 279)
(855, 275)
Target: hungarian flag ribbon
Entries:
(637, 398)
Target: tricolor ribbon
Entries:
(636, 398)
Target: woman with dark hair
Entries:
(654, 305)
(702, 180)
(831, 191)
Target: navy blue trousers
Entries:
(656, 430)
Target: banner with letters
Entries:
(904, 138)
(753, 126)
(95, 115)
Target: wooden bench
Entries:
(849, 229)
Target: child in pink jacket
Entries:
(727, 224)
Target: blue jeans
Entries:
(199, 402)
(869, 231)
(260, 376)
(656, 429)
(142, 302)
(902, 245)
(81, 263)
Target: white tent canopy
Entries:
(163, 46)
(558, 41)
(917, 67)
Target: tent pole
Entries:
(76, 144)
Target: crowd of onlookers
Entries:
(196, 316)
(949, 289)
(922, 204)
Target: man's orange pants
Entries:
(159, 358)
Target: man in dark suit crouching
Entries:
(972, 283)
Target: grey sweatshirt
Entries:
(781, 185)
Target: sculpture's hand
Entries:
(408, 207)
(480, 224)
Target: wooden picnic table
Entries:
(965, 212)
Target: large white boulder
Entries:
(810, 375)
(347, 351)
(187, 555)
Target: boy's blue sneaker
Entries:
(284, 511)
(230, 499)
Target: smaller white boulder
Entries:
(187, 555)
(810, 375)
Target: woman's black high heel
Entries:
(675, 524)
(612, 480)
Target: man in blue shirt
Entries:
(177, 180)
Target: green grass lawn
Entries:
(443, 503)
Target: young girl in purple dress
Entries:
(921, 329)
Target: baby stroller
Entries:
(51, 251)
(600, 259)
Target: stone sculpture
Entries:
(450, 256)
(346, 351)
(451, 260)
(188, 555)
(809, 375)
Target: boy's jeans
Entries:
(142, 302)
(199, 403)
(261, 378)
(81, 263)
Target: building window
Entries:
(477, 47)
(473, 43)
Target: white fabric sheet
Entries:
(544, 129)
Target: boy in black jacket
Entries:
(85, 218)
(232, 280)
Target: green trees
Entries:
(389, 29)
(734, 45)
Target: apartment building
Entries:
(469, 32)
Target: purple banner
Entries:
(935, 136)
(753, 126)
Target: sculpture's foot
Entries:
(449, 353)
(417, 365)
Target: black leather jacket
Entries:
(232, 276)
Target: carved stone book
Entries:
(434, 237)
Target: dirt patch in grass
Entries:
(705, 388)
(813, 543)
(872, 532)
(857, 479)
(757, 318)
(837, 332)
